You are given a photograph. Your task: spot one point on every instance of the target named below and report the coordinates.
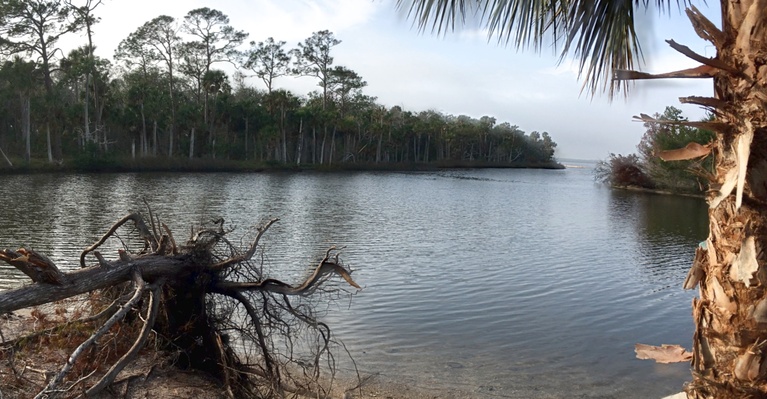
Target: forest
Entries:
(166, 98)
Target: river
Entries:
(499, 283)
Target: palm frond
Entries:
(600, 34)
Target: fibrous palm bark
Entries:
(729, 358)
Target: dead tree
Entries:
(207, 301)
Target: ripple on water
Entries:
(498, 282)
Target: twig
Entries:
(251, 251)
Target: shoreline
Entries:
(213, 166)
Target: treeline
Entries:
(646, 169)
(161, 96)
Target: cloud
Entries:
(294, 21)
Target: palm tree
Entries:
(730, 340)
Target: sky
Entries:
(459, 73)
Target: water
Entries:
(493, 283)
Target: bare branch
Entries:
(279, 287)
(137, 219)
(130, 355)
(38, 267)
(155, 237)
(172, 240)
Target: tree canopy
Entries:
(163, 96)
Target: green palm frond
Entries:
(598, 33)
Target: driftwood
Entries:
(201, 300)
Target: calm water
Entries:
(495, 283)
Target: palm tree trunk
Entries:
(730, 341)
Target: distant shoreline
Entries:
(213, 165)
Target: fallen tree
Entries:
(207, 301)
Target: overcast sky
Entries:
(460, 73)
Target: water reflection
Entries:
(665, 229)
(519, 283)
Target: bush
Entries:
(622, 170)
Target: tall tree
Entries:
(215, 39)
(86, 18)
(158, 40)
(344, 84)
(731, 314)
(211, 29)
(34, 27)
(313, 59)
(268, 60)
(21, 80)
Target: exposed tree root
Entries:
(206, 301)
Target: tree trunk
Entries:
(332, 146)
(144, 136)
(48, 141)
(322, 146)
(729, 358)
(246, 139)
(86, 117)
(154, 139)
(26, 129)
(191, 144)
(300, 141)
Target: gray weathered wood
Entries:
(91, 278)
